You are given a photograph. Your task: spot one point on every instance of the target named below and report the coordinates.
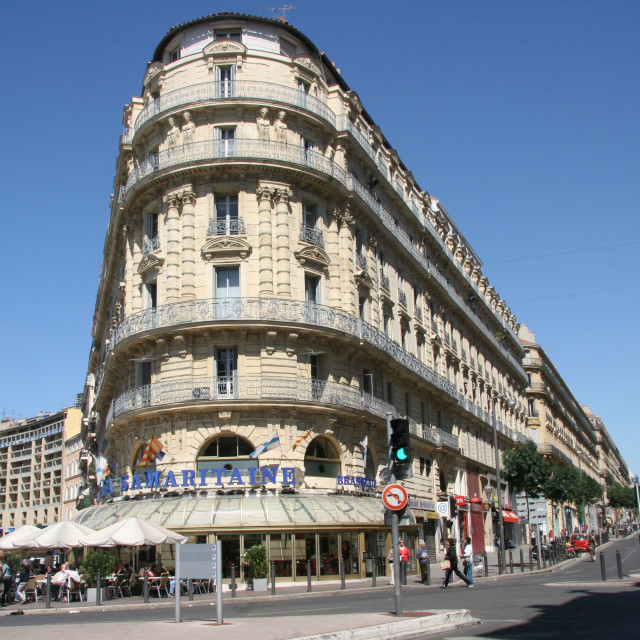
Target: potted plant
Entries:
(258, 566)
(97, 560)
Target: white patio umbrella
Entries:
(131, 532)
(62, 535)
(21, 538)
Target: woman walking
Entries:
(452, 557)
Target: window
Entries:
(227, 214)
(362, 308)
(228, 452)
(227, 290)
(225, 81)
(309, 231)
(151, 295)
(226, 360)
(310, 215)
(307, 153)
(390, 392)
(229, 34)
(311, 288)
(225, 143)
(387, 325)
(367, 381)
(151, 241)
(174, 54)
(407, 403)
(303, 92)
(322, 459)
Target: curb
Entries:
(436, 622)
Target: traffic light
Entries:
(400, 449)
(453, 508)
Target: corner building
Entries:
(271, 268)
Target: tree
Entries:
(621, 497)
(525, 470)
(588, 491)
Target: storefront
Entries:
(297, 529)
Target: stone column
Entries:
(333, 251)
(134, 279)
(265, 240)
(283, 250)
(173, 246)
(188, 243)
(345, 241)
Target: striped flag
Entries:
(154, 451)
(102, 467)
(303, 437)
(365, 444)
(266, 446)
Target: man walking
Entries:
(423, 559)
(467, 561)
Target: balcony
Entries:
(223, 91)
(312, 235)
(244, 150)
(418, 314)
(243, 389)
(384, 283)
(229, 227)
(402, 298)
(150, 244)
(361, 261)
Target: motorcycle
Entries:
(571, 552)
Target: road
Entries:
(570, 602)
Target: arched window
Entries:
(443, 482)
(322, 459)
(228, 452)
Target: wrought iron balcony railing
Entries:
(418, 314)
(384, 282)
(402, 298)
(226, 227)
(434, 435)
(312, 235)
(246, 149)
(237, 89)
(361, 261)
(150, 244)
(242, 389)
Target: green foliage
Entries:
(621, 497)
(97, 560)
(560, 486)
(13, 560)
(256, 559)
(588, 491)
(525, 469)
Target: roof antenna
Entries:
(284, 8)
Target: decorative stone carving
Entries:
(264, 125)
(188, 128)
(363, 279)
(281, 127)
(181, 345)
(225, 249)
(153, 70)
(306, 63)
(313, 257)
(343, 216)
(173, 135)
(354, 101)
(283, 195)
(151, 264)
(270, 343)
(265, 192)
(291, 343)
(225, 50)
(163, 347)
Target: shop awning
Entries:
(509, 516)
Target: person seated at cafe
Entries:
(147, 571)
(58, 580)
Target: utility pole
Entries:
(395, 530)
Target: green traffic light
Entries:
(401, 454)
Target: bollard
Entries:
(47, 604)
(486, 564)
(530, 560)
(544, 558)
(619, 561)
(189, 588)
(273, 578)
(521, 561)
(145, 587)
(342, 580)
(309, 575)
(603, 569)
(510, 561)
(233, 580)
(98, 589)
(538, 561)
(500, 568)
(428, 574)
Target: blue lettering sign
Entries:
(188, 476)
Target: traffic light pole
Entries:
(395, 532)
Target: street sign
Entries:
(443, 509)
(395, 497)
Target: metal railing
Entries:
(361, 261)
(248, 388)
(150, 244)
(312, 235)
(226, 227)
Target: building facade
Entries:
(32, 456)
(273, 273)
(562, 430)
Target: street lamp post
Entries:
(511, 403)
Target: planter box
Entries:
(260, 584)
(92, 592)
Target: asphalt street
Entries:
(570, 601)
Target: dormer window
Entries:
(228, 34)
(174, 54)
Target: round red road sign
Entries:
(395, 497)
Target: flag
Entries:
(266, 446)
(303, 437)
(365, 444)
(154, 451)
(101, 466)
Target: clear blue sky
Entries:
(521, 117)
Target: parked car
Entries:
(580, 542)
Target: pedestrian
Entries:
(452, 556)
(467, 561)
(403, 554)
(23, 580)
(6, 584)
(390, 558)
(423, 560)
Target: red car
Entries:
(580, 542)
